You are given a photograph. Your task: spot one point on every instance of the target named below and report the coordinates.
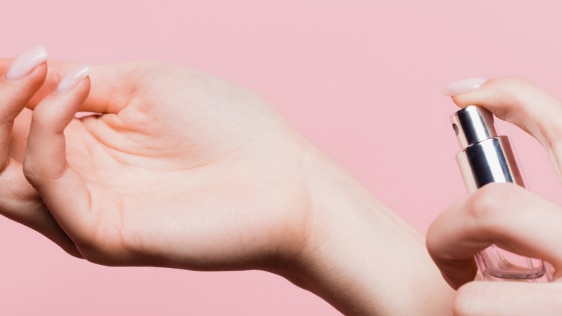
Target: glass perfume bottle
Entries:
(486, 157)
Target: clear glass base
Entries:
(499, 265)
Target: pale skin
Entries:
(180, 169)
(505, 214)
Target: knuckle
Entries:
(491, 201)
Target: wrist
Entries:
(359, 255)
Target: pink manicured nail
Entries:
(28, 61)
(463, 86)
(73, 78)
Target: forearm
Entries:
(363, 258)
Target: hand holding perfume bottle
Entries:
(501, 215)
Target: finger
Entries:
(45, 164)
(18, 83)
(111, 89)
(518, 101)
(502, 214)
(508, 299)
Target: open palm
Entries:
(173, 168)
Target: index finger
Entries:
(520, 102)
(502, 214)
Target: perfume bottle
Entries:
(486, 157)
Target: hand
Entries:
(170, 171)
(176, 168)
(505, 214)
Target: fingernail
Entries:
(28, 61)
(73, 78)
(463, 86)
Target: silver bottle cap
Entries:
(485, 157)
(473, 124)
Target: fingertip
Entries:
(26, 63)
(520, 102)
(463, 86)
(507, 97)
(490, 93)
(469, 300)
(58, 109)
(73, 78)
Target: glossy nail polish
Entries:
(485, 158)
(463, 86)
(71, 79)
(27, 61)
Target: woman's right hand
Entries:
(505, 214)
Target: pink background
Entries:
(361, 79)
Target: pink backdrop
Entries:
(361, 78)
